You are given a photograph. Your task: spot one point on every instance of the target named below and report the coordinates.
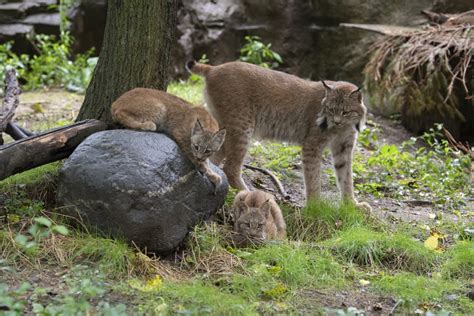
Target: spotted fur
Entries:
(253, 101)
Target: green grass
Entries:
(114, 257)
(417, 290)
(460, 261)
(33, 177)
(375, 249)
(199, 298)
(189, 91)
(321, 219)
(298, 265)
(280, 158)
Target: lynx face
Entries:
(251, 222)
(341, 107)
(204, 143)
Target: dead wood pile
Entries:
(425, 75)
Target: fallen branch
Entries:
(458, 145)
(53, 145)
(274, 179)
(15, 131)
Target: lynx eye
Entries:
(207, 151)
(346, 113)
(196, 147)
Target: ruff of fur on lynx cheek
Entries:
(137, 186)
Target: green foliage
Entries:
(437, 173)
(256, 52)
(82, 288)
(40, 228)
(391, 251)
(51, 65)
(191, 92)
(12, 302)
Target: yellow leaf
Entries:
(364, 282)
(431, 242)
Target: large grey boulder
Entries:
(138, 186)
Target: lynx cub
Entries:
(193, 128)
(253, 101)
(257, 217)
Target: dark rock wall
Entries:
(306, 33)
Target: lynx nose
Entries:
(337, 119)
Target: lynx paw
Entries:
(148, 126)
(216, 180)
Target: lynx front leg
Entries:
(215, 179)
(312, 171)
(342, 151)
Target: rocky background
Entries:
(306, 33)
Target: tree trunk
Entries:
(135, 53)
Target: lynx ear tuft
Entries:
(322, 122)
(356, 92)
(329, 88)
(197, 128)
(266, 208)
(218, 139)
(240, 208)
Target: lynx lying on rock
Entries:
(249, 100)
(257, 217)
(192, 128)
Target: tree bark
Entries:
(10, 101)
(135, 53)
(50, 146)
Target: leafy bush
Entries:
(437, 172)
(51, 65)
(255, 52)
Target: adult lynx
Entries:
(257, 217)
(253, 101)
(194, 130)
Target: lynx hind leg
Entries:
(131, 121)
(235, 147)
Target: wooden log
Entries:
(44, 148)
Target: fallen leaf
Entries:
(364, 282)
(431, 242)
